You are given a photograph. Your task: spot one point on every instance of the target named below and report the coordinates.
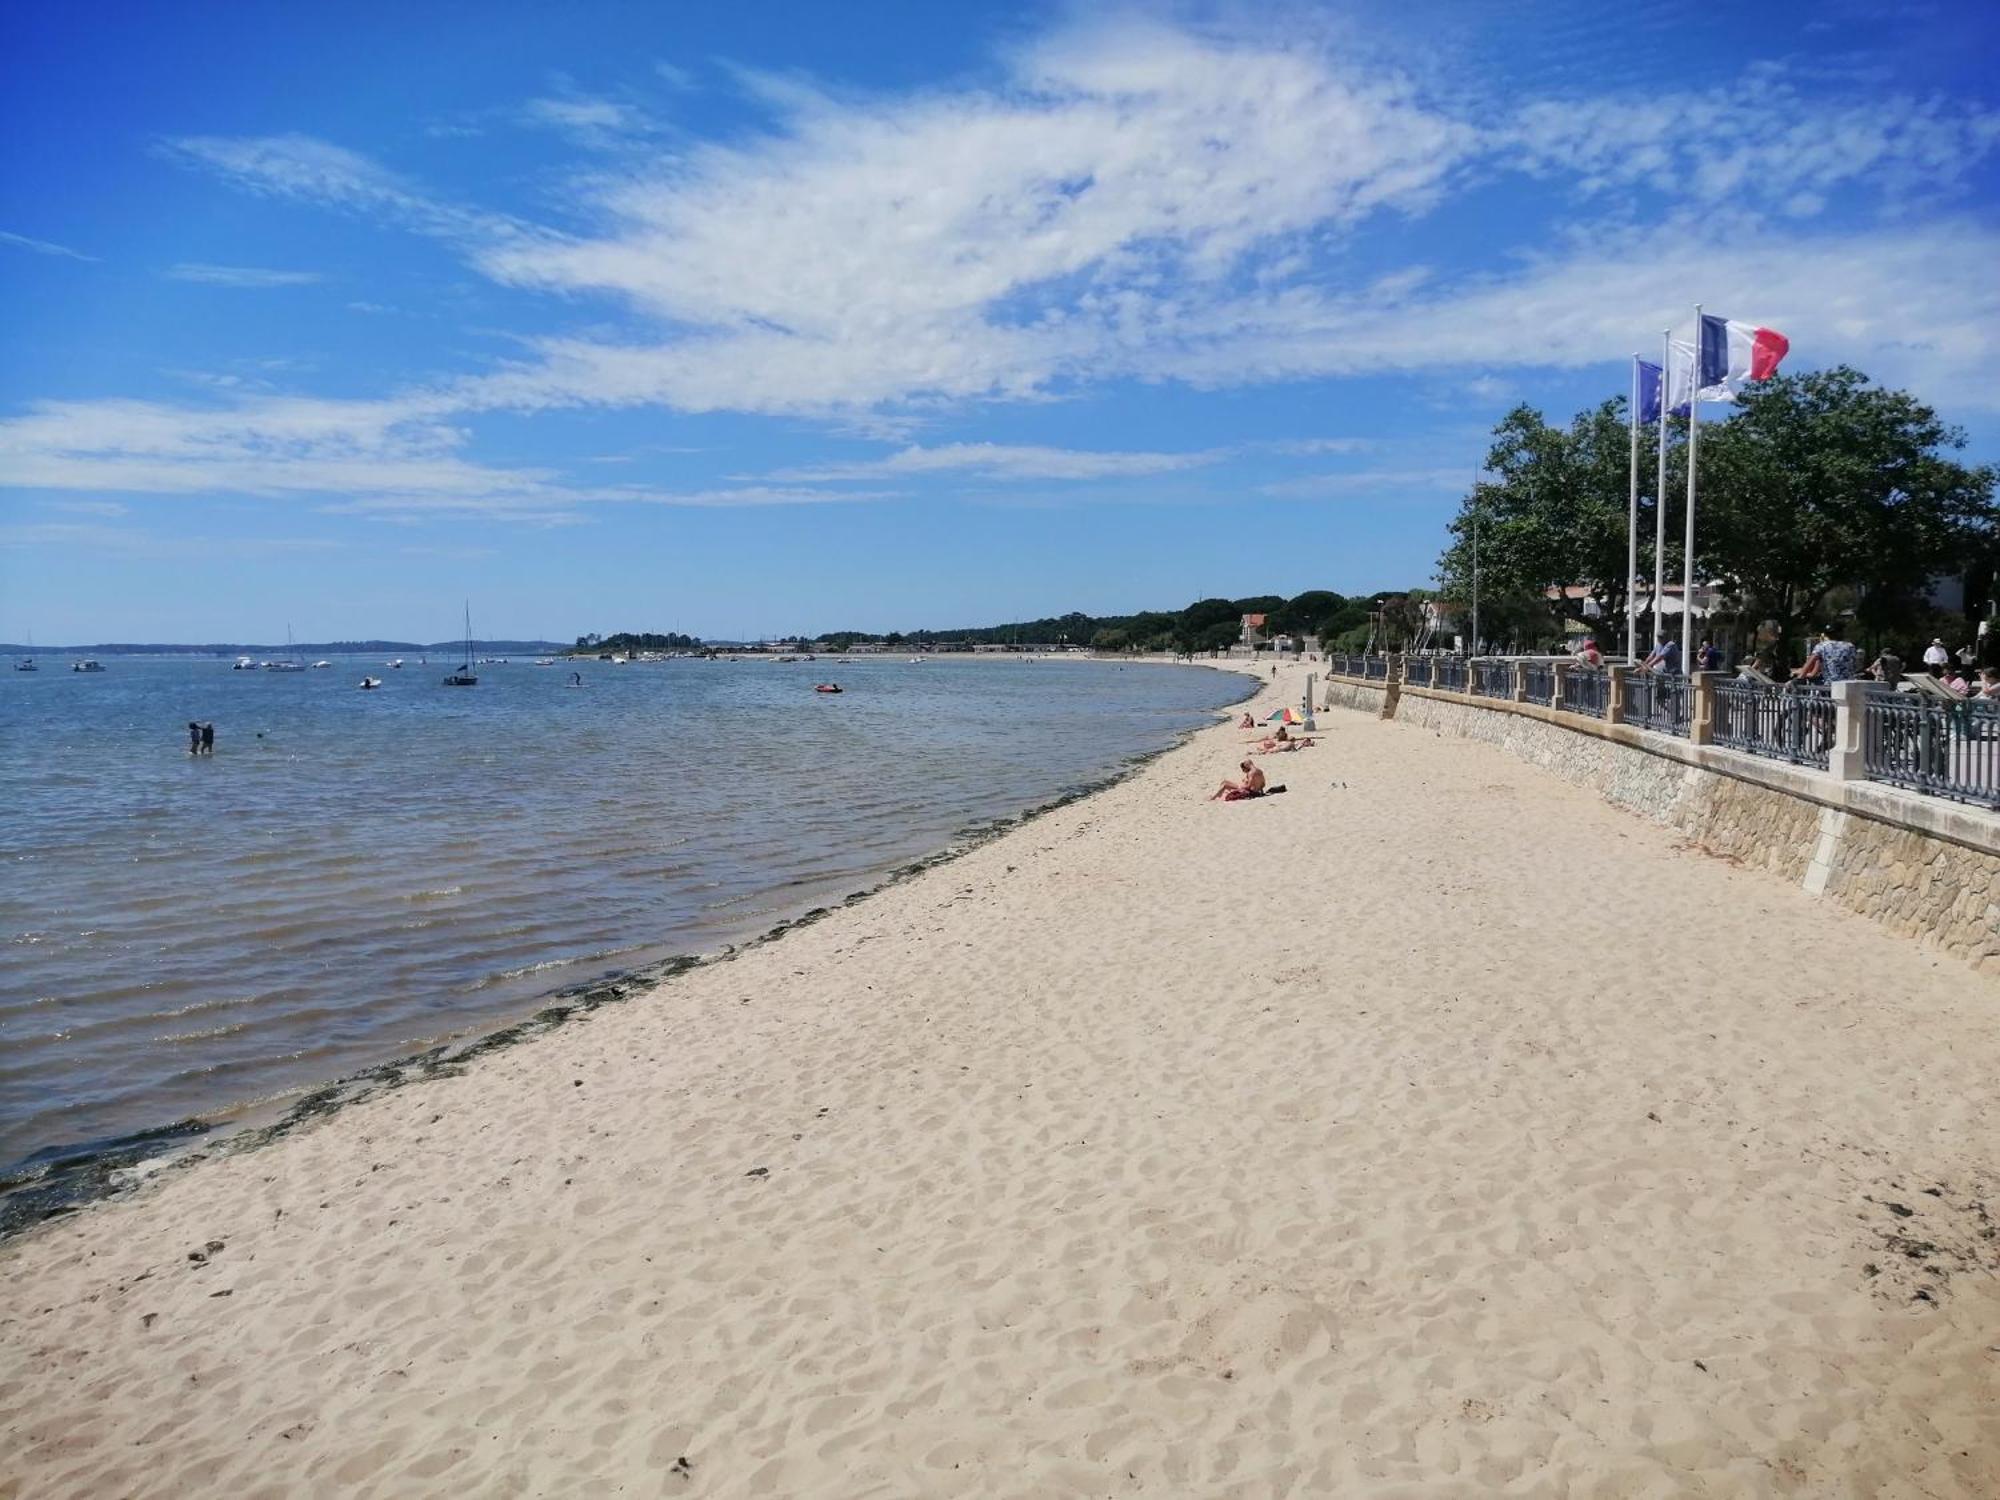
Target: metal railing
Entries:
(1449, 673)
(1493, 679)
(1792, 721)
(1375, 668)
(1946, 749)
(1587, 691)
(1538, 683)
(1657, 701)
(1417, 670)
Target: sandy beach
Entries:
(1431, 1130)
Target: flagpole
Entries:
(1687, 544)
(1632, 527)
(1660, 489)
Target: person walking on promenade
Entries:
(1706, 657)
(1936, 658)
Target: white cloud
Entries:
(42, 247)
(87, 536)
(1004, 461)
(1770, 142)
(1132, 202)
(315, 171)
(240, 276)
(594, 122)
(108, 509)
(1365, 482)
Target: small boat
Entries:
(291, 662)
(827, 687)
(464, 677)
(397, 664)
(318, 664)
(27, 663)
(244, 664)
(88, 664)
(545, 661)
(370, 683)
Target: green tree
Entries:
(1551, 513)
(1824, 481)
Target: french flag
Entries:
(1732, 353)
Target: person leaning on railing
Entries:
(1832, 660)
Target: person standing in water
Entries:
(208, 739)
(194, 738)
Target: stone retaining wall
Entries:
(1923, 870)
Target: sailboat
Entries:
(291, 663)
(463, 676)
(27, 663)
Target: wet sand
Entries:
(1433, 1129)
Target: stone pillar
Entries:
(1520, 693)
(1562, 685)
(1845, 760)
(1701, 707)
(1614, 704)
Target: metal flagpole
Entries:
(1475, 583)
(1632, 526)
(1660, 489)
(1687, 543)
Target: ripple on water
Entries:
(197, 934)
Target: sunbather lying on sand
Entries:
(1279, 743)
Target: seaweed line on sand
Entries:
(62, 1180)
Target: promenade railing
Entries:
(1493, 679)
(1449, 673)
(1587, 691)
(1538, 682)
(1417, 670)
(1375, 668)
(1946, 749)
(1791, 721)
(1657, 701)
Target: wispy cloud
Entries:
(589, 120)
(108, 509)
(1006, 461)
(240, 276)
(1364, 483)
(137, 542)
(1132, 201)
(42, 247)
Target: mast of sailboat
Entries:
(468, 637)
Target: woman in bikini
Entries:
(1252, 785)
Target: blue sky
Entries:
(749, 319)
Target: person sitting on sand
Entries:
(1252, 785)
(1247, 723)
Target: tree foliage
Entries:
(1822, 491)
(1824, 482)
(1551, 514)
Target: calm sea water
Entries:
(355, 873)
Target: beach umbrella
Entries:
(1284, 716)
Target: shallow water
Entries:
(353, 874)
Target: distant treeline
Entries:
(302, 648)
(1205, 625)
(636, 640)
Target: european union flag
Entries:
(1649, 390)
